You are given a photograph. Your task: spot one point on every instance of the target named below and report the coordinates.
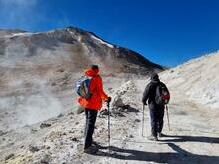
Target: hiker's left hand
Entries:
(108, 100)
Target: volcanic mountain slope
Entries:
(72, 47)
(45, 56)
(193, 136)
(38, 70)
(198, 79)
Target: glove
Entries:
(108, 100)
(145, 103)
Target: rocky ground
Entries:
(193, 137)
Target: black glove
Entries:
(145, 103)
(108, 100)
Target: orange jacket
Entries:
(96, 89)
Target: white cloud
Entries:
(30, 15)
(18, 2)
(18, 13)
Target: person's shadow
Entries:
(183, 138)
(179, 156)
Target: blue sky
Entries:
(168, 32)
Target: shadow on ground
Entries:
(179, 156)
(183, 138)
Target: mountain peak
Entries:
(74, 45)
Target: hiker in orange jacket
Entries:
(93, 105)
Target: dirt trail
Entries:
(194, 137)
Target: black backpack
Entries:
(162, 96)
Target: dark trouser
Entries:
(91, 116)
(156, 114)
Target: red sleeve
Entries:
(100, 89)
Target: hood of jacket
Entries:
(155, 78)
(91, 72)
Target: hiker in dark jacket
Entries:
(156, 111)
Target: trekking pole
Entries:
(108, 106)
(142, 122)
(168, 120)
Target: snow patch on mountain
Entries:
(101, 41)
(18, 34)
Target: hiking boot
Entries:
(160, 135)
(91, 150)
(96, 144)
(152, 138)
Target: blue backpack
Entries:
(82, 87)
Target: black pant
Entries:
(91, 116)
(156, 114)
